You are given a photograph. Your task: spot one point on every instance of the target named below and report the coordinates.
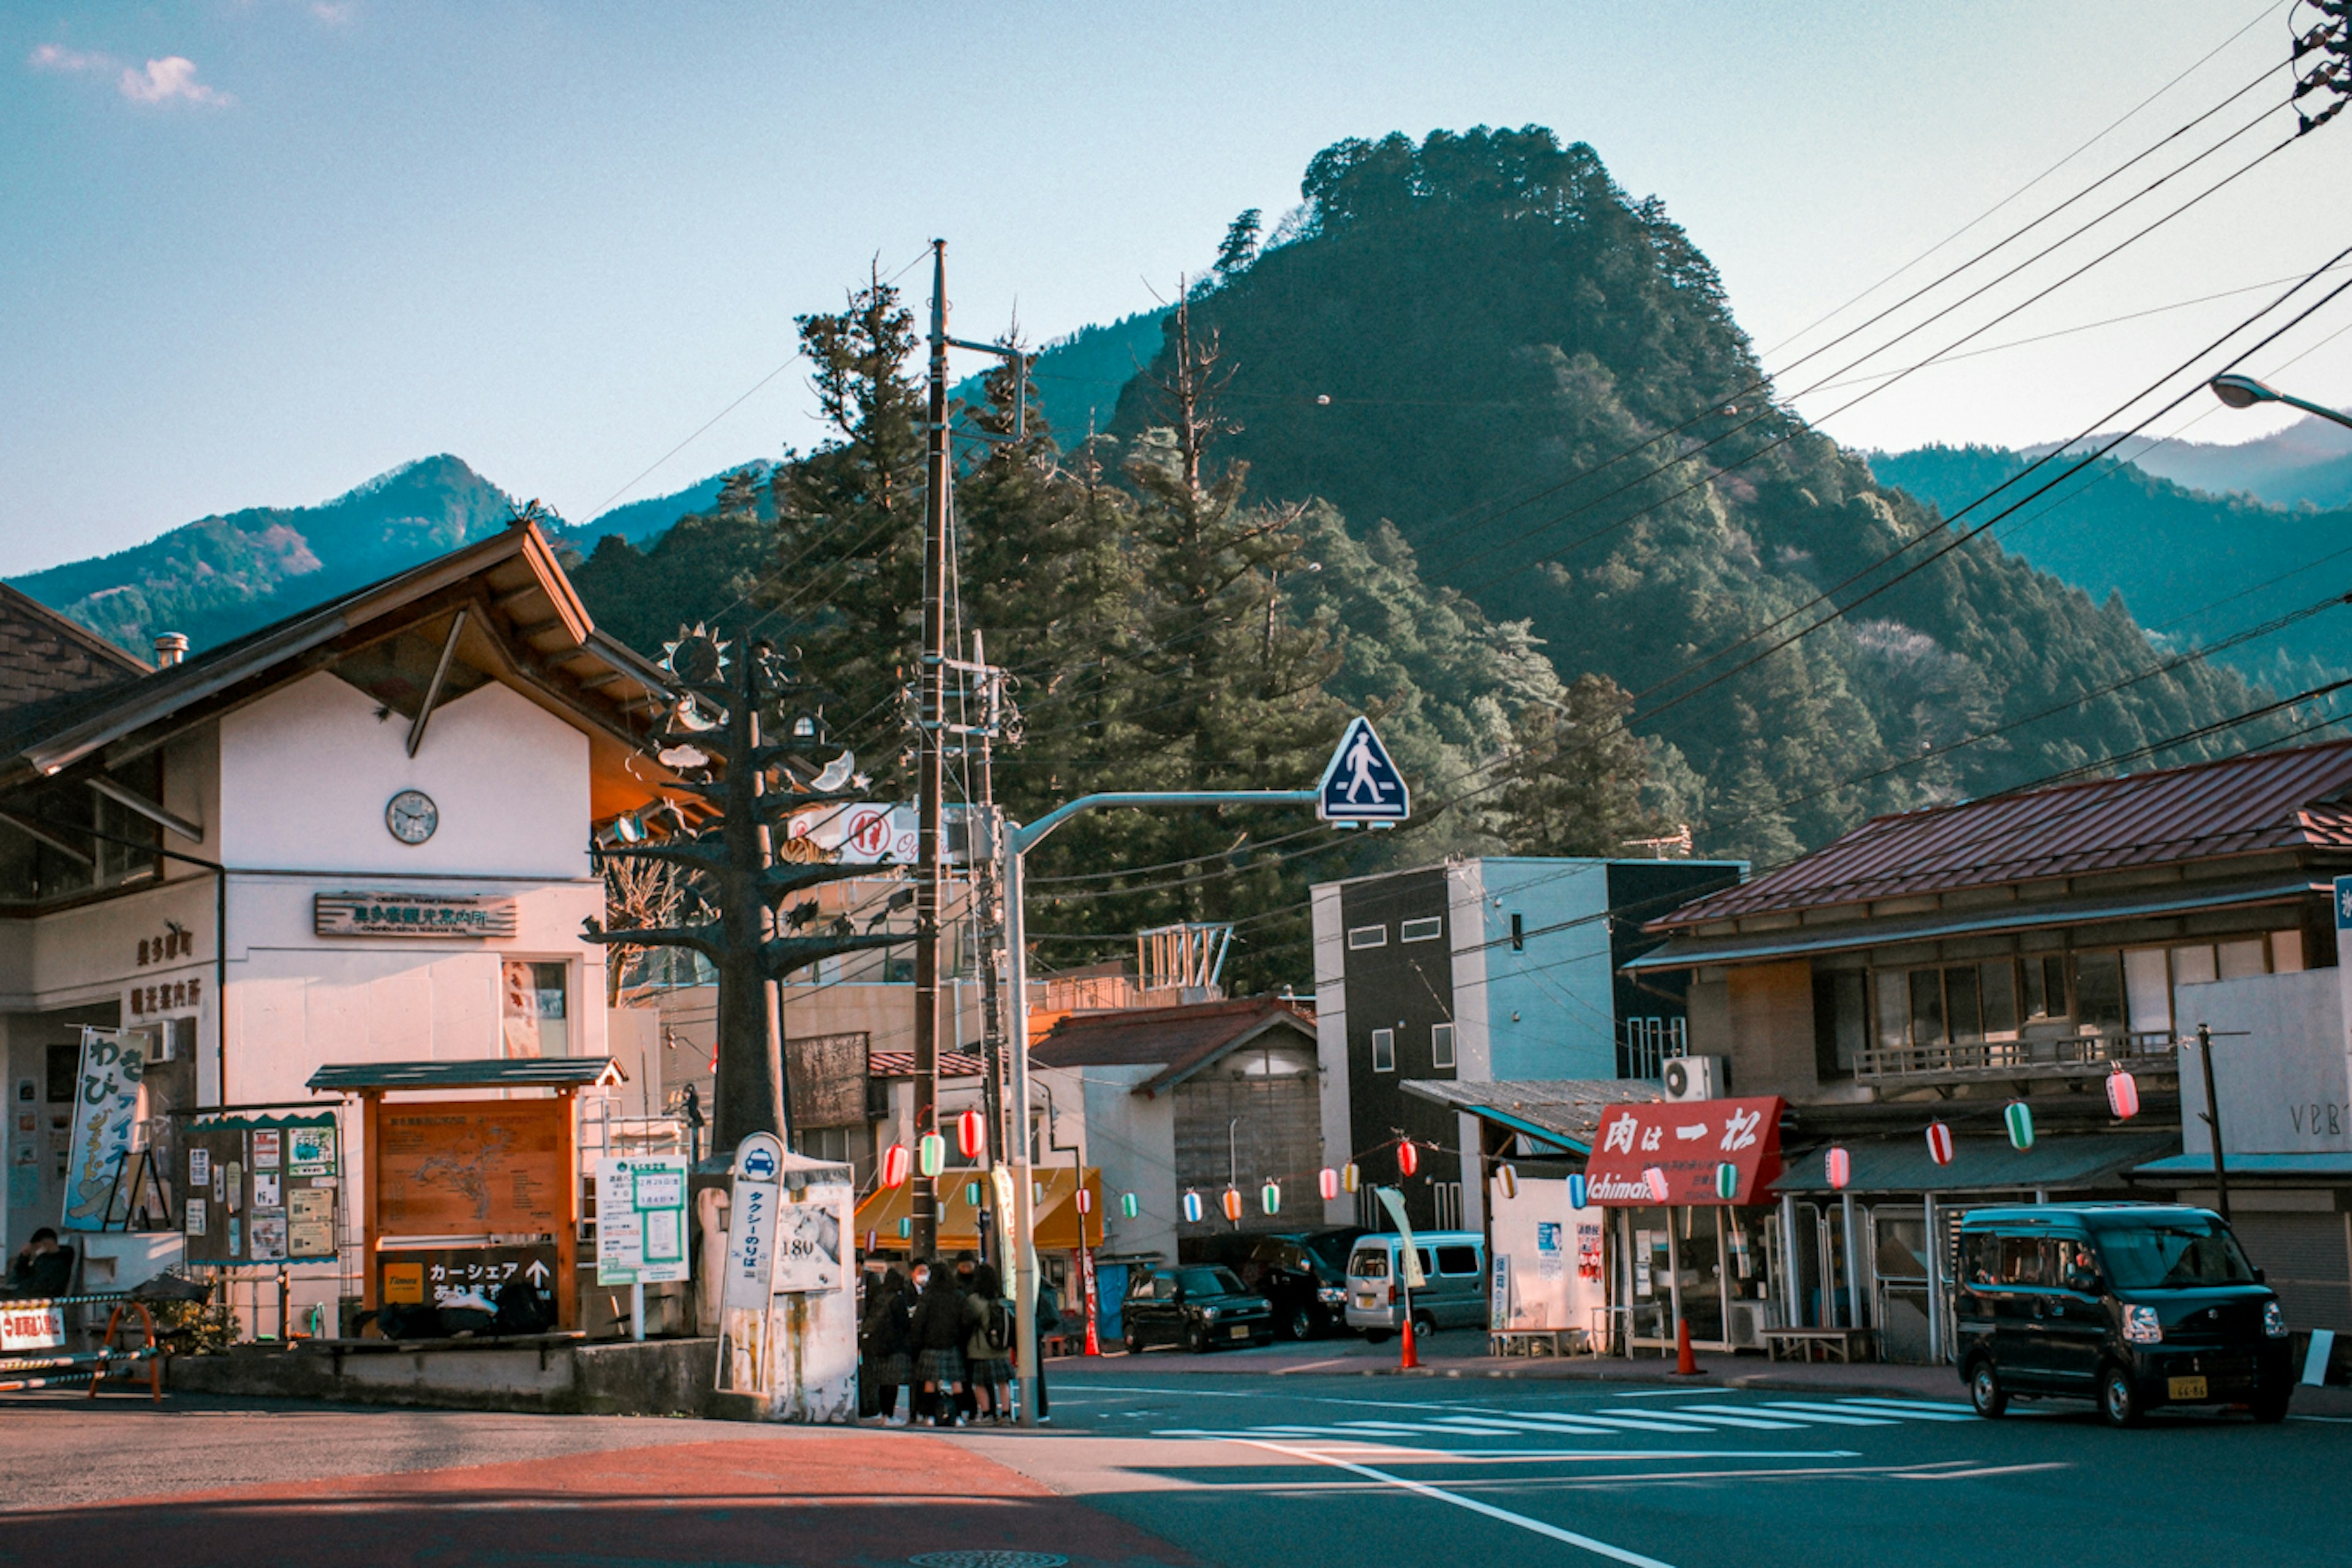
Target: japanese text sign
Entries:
(641, 1219)
(106, 1104)
(1685, 1141)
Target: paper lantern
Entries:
(971, 1133)
(1407, 1157)
(1192, 1208)
(871, 1238)
(1086, 1201)
(1507, 1180)
(905, 1229)
(933, 1157)
(972, 1195)
(1656, 1179)
(1350, 1178)
(2019, 1117)
(1127, 1206)
(1576, 1190)
(2123, 1095)
(1727, 1181)
(1327, 1184)
(894, 1162)
(1939, 1144)
(1839, 1167)
(1231, 1205)
(1269, 1198)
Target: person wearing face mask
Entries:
(938, 1330)
(890, 1356)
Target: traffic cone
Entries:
(1685, 1362)
(1412, 1357)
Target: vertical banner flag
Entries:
(106, 1107)
(1409, 1258)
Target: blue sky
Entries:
(259, 251)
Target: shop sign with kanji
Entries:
(1680, 1146)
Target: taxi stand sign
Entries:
(754, 1197)
(1361, 785)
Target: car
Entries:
(2131, 1306)
(1303, 1273)
(1451, 1294)
(1198, 1306)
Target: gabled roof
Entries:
(524, 624)
(2268, 801)
(495, 1072)
(1179, 1041)
(45, 654)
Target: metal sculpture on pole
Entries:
(748, 787)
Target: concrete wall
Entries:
(1550, 1003)
(1131, 1139)
(2279, 1064)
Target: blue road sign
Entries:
(1361, 784)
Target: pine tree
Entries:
(1576, 779)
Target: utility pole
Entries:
(986, 921)
(2212, 1117)
(931, 772)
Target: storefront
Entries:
(1686, 1186)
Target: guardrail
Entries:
(2058, 1055)
(32, 1333)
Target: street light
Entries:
(2244, 391)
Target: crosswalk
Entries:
(1442, 1427)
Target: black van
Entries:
(2127, 1305)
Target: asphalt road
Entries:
(1151, 1464)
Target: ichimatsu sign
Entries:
(1681, 1144)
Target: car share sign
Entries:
(1686, 1143)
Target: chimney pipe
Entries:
(171, 648)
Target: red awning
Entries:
(1670, 1151)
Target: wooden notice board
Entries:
(453, 1168)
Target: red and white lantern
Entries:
(1407, 1157)
(1327, 1184)
(1939, 1144)
(1838, 1165)
(896, 1163)
(1656, 1179)
(2123, 1095)
(971, 1133)
(1086, 1201)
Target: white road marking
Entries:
(1832, 1414)
(1722, 1415)
(1911, 1410)
(1932, 1407)
(1971, 1475)
(1421, 1489)
(1640, 1423)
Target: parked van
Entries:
(2129, 1305)
(1453, 1262)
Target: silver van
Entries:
(1454, 1264)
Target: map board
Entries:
(472, 1167)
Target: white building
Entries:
(203, 847)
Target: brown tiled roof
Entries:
(2298, 799)
(1179, 1041)
(901, 1064)
(45, 654)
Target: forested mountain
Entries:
(2309, 463)
(2198, 569)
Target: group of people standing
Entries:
(947, 1336)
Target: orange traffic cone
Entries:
(1685, 1362)
(1412, 1358)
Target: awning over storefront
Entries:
(1056, 1211)
(2333, 1166)
(1561, 1111)
(1892, 1165)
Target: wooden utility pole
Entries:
(930, 777)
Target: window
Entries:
(1428, 929)
(1369, 1265)
(1368, 936)
(1440, 1045)
(2099, 989)
(1448, 1196)
(1146, 1288)
(1840, 1021)
(534, 1020)
(1384, 1050)
(1518, 934)
(2046, 985)
(1457, 1261)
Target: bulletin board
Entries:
(261, 1190)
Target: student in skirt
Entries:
(988, 1352)
(889, 1354)
(938, 1331)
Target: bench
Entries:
(1534, 1342)
(1800, 1344)
(33, 1353)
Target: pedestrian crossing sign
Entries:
(1361, 784)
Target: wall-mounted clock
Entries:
(412, 816)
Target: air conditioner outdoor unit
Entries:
(1746, 1323)
(1696, 1078)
